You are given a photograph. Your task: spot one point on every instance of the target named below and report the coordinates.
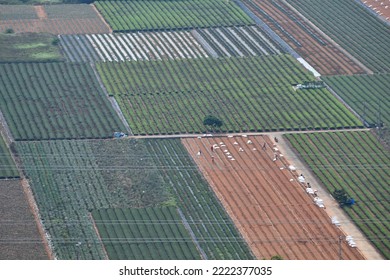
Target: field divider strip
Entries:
(192, 234)
(98, 234)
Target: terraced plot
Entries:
(131, 46)
(366, 94)
(144, 234)
(247, 94)
(19, 235)
(135, 15)
(54, 19)
(265, 200)
(55, 101)
(304, 39)
(360, 33)
(360, 166)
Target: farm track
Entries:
(283, 222)
(319, 52)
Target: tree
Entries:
(276, 257)
(212, 122)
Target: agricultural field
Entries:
(265, 200)
(238, 41)
(71, 179)
(31, 47)
(304, 39)
(135, 15)
(366, 94)
(360, 167)
(131, 46)
(144, 234)
(19, 235)
(7, 164)
(381, 7)
(247, 94)
(55, 101)
(54, 19)
(356, 30)
(215, 234)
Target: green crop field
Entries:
(134, 15)
(366, 94)
(358, 164)
(55, 101)
(29, 47)
(7, 164)
(356, 30)
(247, 94)
(144, 234)
(72, 178)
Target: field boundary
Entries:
(101, 17)
(98, 235)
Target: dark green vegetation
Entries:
(7, 165)
(366, 94)
(248, 94)
(144, 234)
(19, 235)
(154, 14)
(31, 47)
(356, 163)
(70, 179)
(55, 101)
(363, 35)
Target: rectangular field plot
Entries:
(131, 46)
(29, 47)
(7, 164)
(362, 34)
(356, 163)
(265, 200)
(366, 94)
(71, 179)
(322, 54)
(19, 235)
(144, 234)
(135, 15)
(54, 19)
(247, 94)
(55, 101)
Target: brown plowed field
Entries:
(326, 59)
(19, 235)
(381, 7)
(269, 206)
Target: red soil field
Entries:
(326, 59)
(268, 205)
(381, 7)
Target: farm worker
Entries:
(212, 148)
(264, 146)
(198, 154)
(212, 158)
(276, 140)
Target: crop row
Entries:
(365, 94)
(55, 101)
(238, 41)
(69, 179)
(144, 234)
(360, 33)
(212, 228)
(7, 165)
(309, 43)
(131, 46)
(247, 94)
(360, 167)
(137, 15)
(17, 12)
